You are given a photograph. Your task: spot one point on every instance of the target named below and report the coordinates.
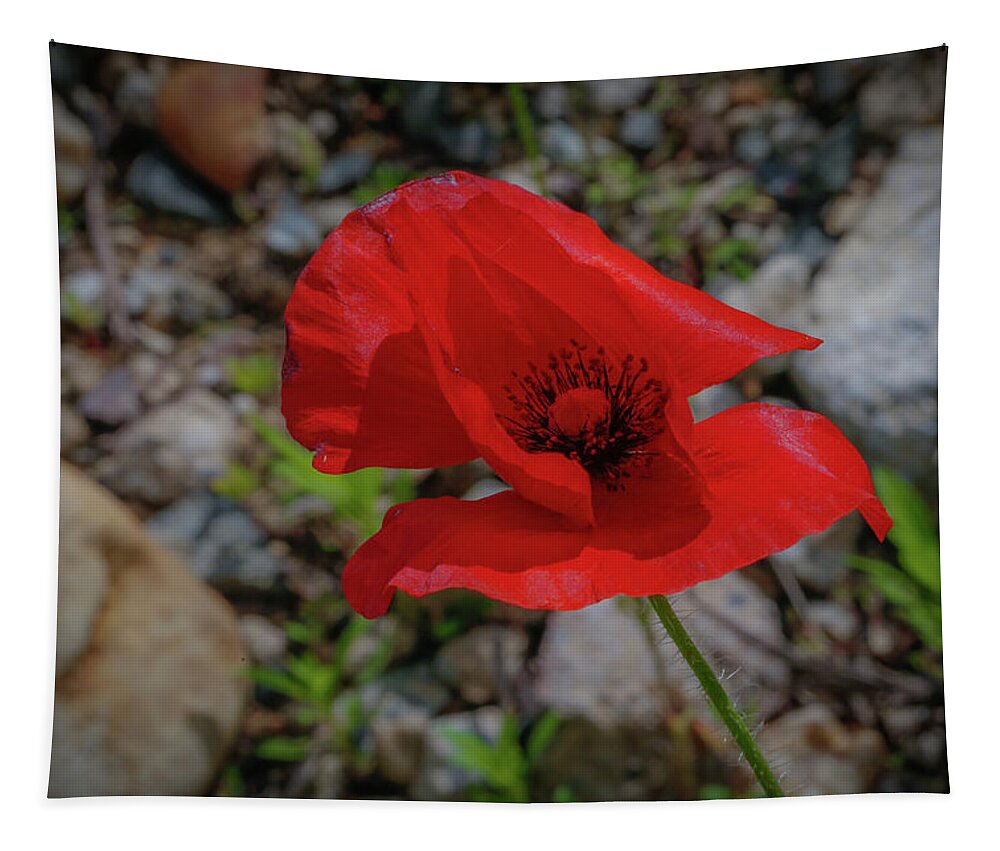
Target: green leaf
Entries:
(912, 606)
(232, 784)
(541, 736)
(284, 748)
(715, 792)
(321, 679)
(913, 533)
(503, 766)
(563, 794)
(256, 374)
(893, 584)
(237, 483)
(522, 120)
(278, 681)
(740, 195)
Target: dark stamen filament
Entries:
(602, 417)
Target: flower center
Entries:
(602, 416)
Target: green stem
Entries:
(526, 132)
(717, 696)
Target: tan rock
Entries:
(149, 693)
(213, 116)
(817, 755)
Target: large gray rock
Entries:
(875, 304)
(602, 664)
(148, 688)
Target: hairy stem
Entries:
(717, 696)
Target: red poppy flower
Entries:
(459, 317)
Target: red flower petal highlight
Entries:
(566, 256)
(357, 384)
(775, 475)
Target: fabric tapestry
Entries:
(502, 442)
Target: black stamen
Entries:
(611, 448)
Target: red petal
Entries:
(775, 474)
(357, 384)
(604, 287)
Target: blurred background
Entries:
(204, 644)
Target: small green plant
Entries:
(236, 483)
(674, 203)
(311, 156)
(731, 255)
(617, 178)
(506, 766)
(741, 195)
(84, 317)
(256, 374)
(913, 588)
(313, 684)
(356, 496)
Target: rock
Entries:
(114, 400)
(780, 179)
(423, 106)
(469, 142)
(398, 707)
(874, 303)
(213, 116)
(562, 144)
(820, 561)
(753, 146)
(819, 755)
(265, 642)
(616, 95)
(714, 400)
(552, 100)
(292, 231)
(148, 691)
(330, 213)
(163, 293)
(173, 449)
(156, 181)
(840, 622)
(322, 123)
(73, 429)
(640, 128)
(808, 242)
(904, 94)
(486, 487)
(777, 293)
(223, 544)
(81, 370)
(832, 80)
(74, 152)
(483, 663)
(599, 764)
(344, 170)
(135, 98)
(599, 663)
(521, 173)
(735, 624)
(833, 159)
